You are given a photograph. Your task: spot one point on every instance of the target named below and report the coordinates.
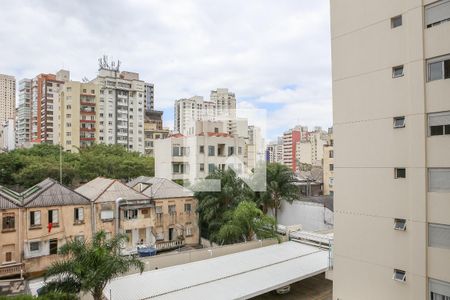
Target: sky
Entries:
(274, 55)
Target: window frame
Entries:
(399, 118)
(396, 18)
(398, 272)
(400, 224)
(394, 68)
(396, 174)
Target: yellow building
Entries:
(328, 165)
(37, 222)
(79, 112)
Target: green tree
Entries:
(88, 266)
(280, 186)
(214, 204)
(245, 223)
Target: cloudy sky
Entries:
(274, 55)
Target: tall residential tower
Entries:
(391, 87)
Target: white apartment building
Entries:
(7, 97)
(391, 87)
(23, 115)
(8, 136)
(222, 106)
(121, 108)
(190, 158)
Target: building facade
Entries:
(290, 140)
(7, 97)
(391, 115)
(121, 108)
(45, 110)
(23, 113)
(149, 97)
(78, 115)
(328, 165)
(153, 130)
(8, 136)
(190, 158)
(37, 222)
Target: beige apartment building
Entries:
(391, 87)
(78, 115)
(36, 223)
(153, 130)
(174, 211)
(7, 97)
(328, 165)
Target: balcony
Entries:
(87, 121)
(10, 269)
(87, 103)
(161, 246)
(87, 138)
(87, 112)
(92, 129)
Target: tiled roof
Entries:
(108, 190)
(161, 188)
(52, 193)
(46, 193)
(6, 203)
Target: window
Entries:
(399, 275)
(230, 150)
(179, 168)
(53, 246)
(439, 180)
(439, 124)
(188, 207)
(439, 290)
(202, 149)
(239, 150)
(211, 150)
(202, 167)
(130, 214)
(78, 215)
(35, 218)
(331, 154)
(106, 214)
(397, 71)
(35, 246)
(396, 21)
(8, 257)
(53, 216)
(399, 122)
(439, 236)
(211, 168)
(8, 222)
(188, 229)
(400, 173)
(400, 224)
(438, 68)
(331, 167)
(172, 210)
(437, 13)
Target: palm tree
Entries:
(245, 223)
(89, 266)
(213, 205)
(280, 186)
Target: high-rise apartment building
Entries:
(222, 106)
(23, 115)
(121, 108)
(149, 97)
(310, 148)
(153, 130)
(79, 115)
(391, 87)
(328, 164)
(7, 97)
(290, 139)
(45, 102)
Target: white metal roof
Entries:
(236, 276)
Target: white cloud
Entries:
(256, 48)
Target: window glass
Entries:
(435, 71)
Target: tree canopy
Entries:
(23, 168)
(236, 213)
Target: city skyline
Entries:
(262, 40)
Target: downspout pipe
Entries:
(117, 215)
